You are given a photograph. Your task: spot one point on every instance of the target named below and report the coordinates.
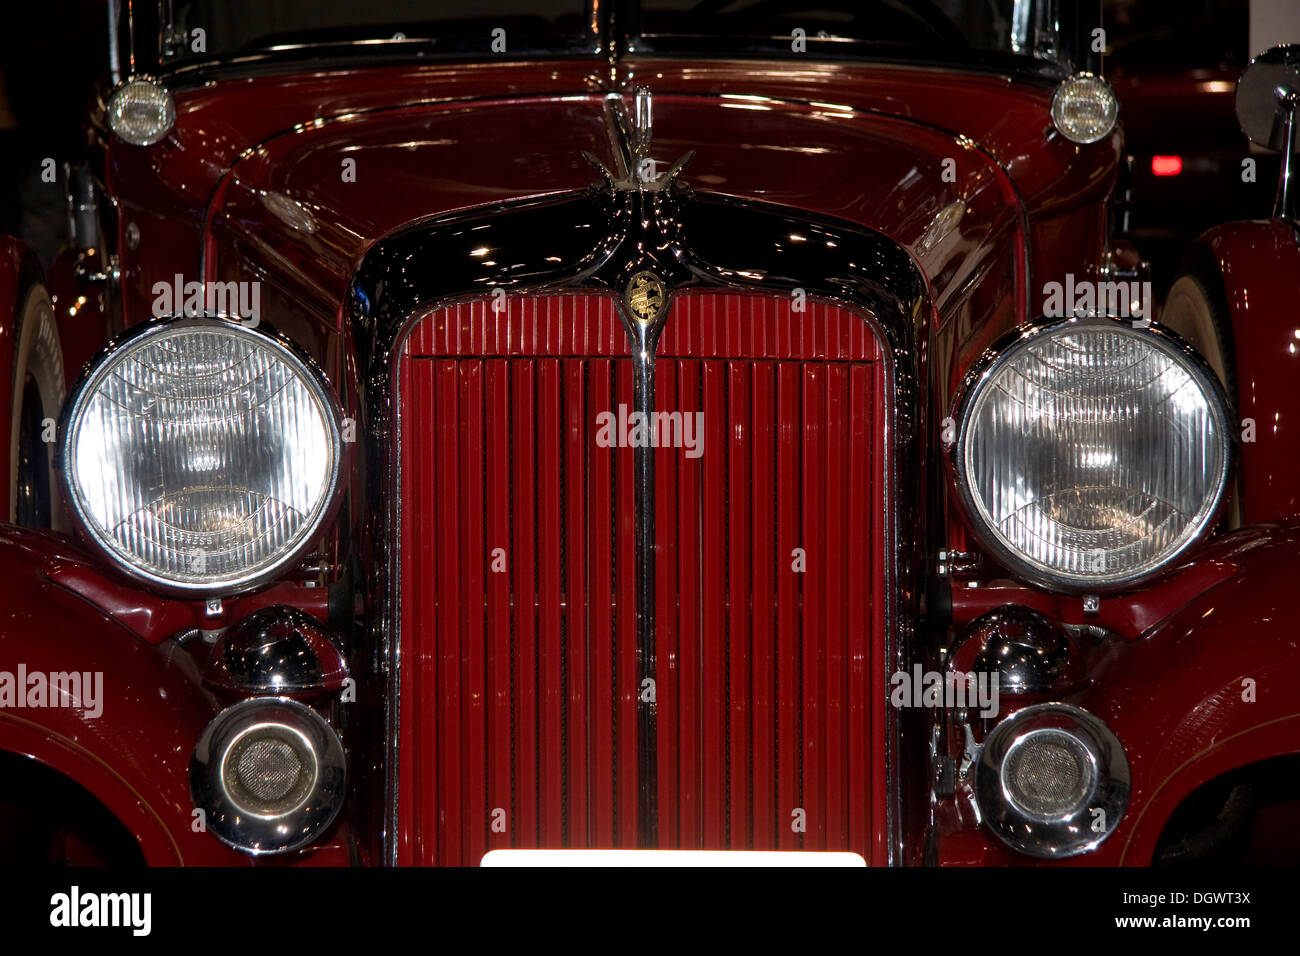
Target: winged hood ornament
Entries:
(631, 140)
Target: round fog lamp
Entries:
(1052, 781)
(1048, 774)
(268, 773)
(141, 111)
(1084, 108)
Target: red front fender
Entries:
(1180, 698)
(134, 756)
(1177, 698)
(1258, 263)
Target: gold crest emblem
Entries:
(646, 296)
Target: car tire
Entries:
(1196, 309)
(38, 391)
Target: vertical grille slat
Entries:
(520, 695)
(626, 689)
(739, 575)
(713, 625)
(788, 791)
(813, 631)
(667, 588)
(550, 618)
(447, 588)
(523, 557)
(474, 563)
(577, 475)
(687, 724)
(497, 503)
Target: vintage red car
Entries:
(679, 426)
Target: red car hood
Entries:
(940, 167)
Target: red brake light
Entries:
(1166, 165)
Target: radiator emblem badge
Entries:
(646, 296)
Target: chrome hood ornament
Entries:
(631, 141)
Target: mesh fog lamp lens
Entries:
(201, 456)
(269, 771)
(1090, 454)
(1052, 781)
(268, 774)
(141, 111)
(1048, 774)
(1084, 108)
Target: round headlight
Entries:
(1084, 108)
(201, 456)
(141, 111)
(1089, 453)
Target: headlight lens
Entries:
(201, 455)
(1090, 453)
(1084, 108)
(141, 111)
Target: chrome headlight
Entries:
(1089, 453)
(201, 456)
(1052, 781)
(1084, 108)
(141, 111)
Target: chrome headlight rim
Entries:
(1065, 87)
(84, 387)
(1067, 834)
(987, 366)
(262, 834)
(167, 117)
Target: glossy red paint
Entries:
(1178, 702)
(1023, 188)
(152, 707)
(1129, 615)
(792, 691)
(493, 712)
(1259, 262)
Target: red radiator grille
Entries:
(519, 696)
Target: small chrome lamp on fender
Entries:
(141, 111)
(268, 774)
(1052, 781)
(1084, 108)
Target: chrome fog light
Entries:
(1052, 781)
(141, 111)
(268, 773)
